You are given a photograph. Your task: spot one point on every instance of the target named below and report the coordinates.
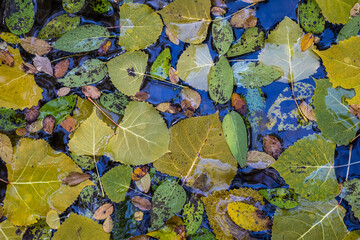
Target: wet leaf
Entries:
(34, 127)
(168, 199)
(161, 65)
(222, 35)
(142, 136)
(144, 183)
(26, 201)
(52, 219)
(140, 26)
(138, 216)
(49, 124)
(116, 182)
(68, 124)
(188, 20)
(173, 229)
(281, 197)
(139, 172)
(244, 18)
(239, 104)
(127, 71)
(141, 203)
(192, 99)
(168, 108)
(74, 178)
(19, 16)
(355, 10)
(104, 211)
(59, 107)
(7, 58)
(217, 11)
(6, 149)
(21, 131)
(171, 37)
(35, 46)
(9, 38)
(61, 68)
(43, 64)
(108, 225)
(311, 19)
(336, 11)
(63, 91)
(104, 47)
(73, 6)
(101, 6)
(89, 72)
(259, 160)
(306, 42)
(251, 40)
(79, 227)
(204, 235)
(350, 29)
(32, 114)
(272, 145)
(85, 162)
(193, 216)
(141, 96)
(9, 231)
(58, 26)
(115, 102)
(91, 92)
(82, 39)
(29, 68)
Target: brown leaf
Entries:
(74, 178)
(61, 68)
(29, 68)
(7, 58)
(173, 76)
(141, 96)
(272, 146)
(188, 113)
(168, 108)
(104, 211)
(306, 42)
(217, 11)
(218, 3)
(239, 104)
(171, 37)
(141, 203)
(316, 39)
(43, 64)
(91, 91)
(104, 47)
(139, 172)
(355, 110)
(35, 46)
(144, 183)
(307, 111)
(68, 124)
(138, 216)
(21, 132)
(49, 124)
(63, 91)
(108, 225)
(32, 114)
(355, 10)
(191, 99)
(244, 19)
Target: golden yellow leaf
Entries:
(52, 219)
(306, 41)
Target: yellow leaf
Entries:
(6, 150)
(306, 41)
(52, 219)
(10, 38)
(18, 89)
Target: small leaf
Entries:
(10, 38)
(19, 16)
(222, 35)
(35, 46)
(281, 197)
(108, 225)
(49, 124)
(139, 172)
(104, 47)
(104, 211)
(171, 37)
(43, 64)
(58, 26)
(259, 160)
(193, 216)
(73, 6)
(6, 149)
(63, 91)
(141, 96)
(141, 203)
(168, 108)
(311, 19)
(59, 107)
(239, 104)
(6, 58)
(308, 111)
(251, 40)
(192, 99)
(306, 42)
(74, 178)
(144, 183)
(116, 182)
(29, 68)
(244, 19)
(61, 68)
(217, 11)
(350, 29)
(355, 10)
(221, 82)
(32, 114)
(161, 65)
(138, 216)
(52, 219)
(115, 102)
(91, 92)
(85, 162)
(68, 124)
(272, 146)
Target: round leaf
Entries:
(116, 182)
(115, 102)
(19, 16)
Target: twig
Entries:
(2, 180)
(92, 101)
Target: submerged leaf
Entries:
(52, 219)
(104, 211)
(244, 18)
(259, 160)
(6, 149)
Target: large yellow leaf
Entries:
(18, 89)
(336, 11)
(343, 65)
(8, 231)
(35, 187)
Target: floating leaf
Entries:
(162, 64)
(104, 211)
(18, 89)
(35, 182)
(308, 171)
(19, 16)
(311, 19)
(144, 183)
(168, 199)
(82, 39)
(74, 178)
(59, 107)
(140, 26)
(79, 227)
(43, 64)
(52, 219)
(188, 20)
(251, 74)
(91, 92)
(222, 35)
(259, 160)
(142, 136)
(60, 70)
(281, 197)
(272, 145)
(89, 72)
(251, 40)
(306, 42)
(108, 225)
(9, 231)
(141, 203)
(115, 102)
(351, 191)
(193, 216)
(194, 66)
(10, 38)
(127, 71)
(239, 104)
(73, 6)
(350, 29)
(85, 162)
(336, 11)
(58, 26)
(6, 149)
(6, 58)
(236, 136)
(199, 152)
(244, 18)
(173, 229)
(116, 182)
(35, 46)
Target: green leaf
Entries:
(311, 19)
(308, 171)
(116, 182)
(197, 150)
(280, 197)
(310, 220)
(82, 39)
(9, 121)
(39, 231)
(142, 136)
(222, 35)
(188, 20)
(115, 102)
(169, 230)
(333, 115)
(59, 107)
(251, 74)
(350, 29)
(286, 32)
(193, 216)
(100, 6)
(85, 162)
(336, 11)
(140, 26)
(19, 16)
(351, 191)
(236, 136)
(168, 199)
(89, 72)
(194, 66)
(204, 235)
(127, 71)
(161, 65)
(35, 186)
(251, 40)
(79, 227)
(354, 235)
(8, 231)
(73, 6)
(221, 82)
(58, 26)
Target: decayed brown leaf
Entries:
(355, 110)
(63, 91)
(141, 96)
(29, 68)
(139, 172)
(141, 203)
(171, 37)
(239, 104)
(91, 91)
(104, 47)
(49, 124)
(307, 111)
(173, 76)
(244, 19)
(259, 160)
(218, 3)
(61, 68)
(21, 132)
(32, 114)
(68, 124)
(43, 64)
(144, 183)
(108, 225)
(272, 146)
(217, 11)
(74, 178)
(138, 216)
(168, 108)
(35, 46)
(104, 211)
(355, 10)
(306, 42)
(7, 58)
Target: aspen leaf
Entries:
(144, 183)
(336, 11)
(116, 182)
(52, 219)
(108, 225)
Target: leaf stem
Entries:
(2, 180)
(100, 183)
(348, 168)
(92, 101)
(297, 105)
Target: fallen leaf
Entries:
(355, 110)
(219, 3)
(32, 114)
(6, 149)
(272, 146)
(63, 91)
(104, 47)
(168, 108)
(108, 225)
(141, 203)
(239, 104)
(116, 182)
(174, 78)
(144, 183)
(139, 172)
(35, 46)
(250, 41)
(60, 108)
(171, 37)
(49, 124)
(281, 197)
(115, 102)
(244, 19)
(336, 11)
(35, 126)
(253, 1)
(104, 211)
(61, 68)
(138, 216)
(19, 16)
(217, 11)
(91, 91)
(306, 42)
(141, 96)
(191, 99)
(58, 26)
(43, 64)
(29, 68)
(21, 132)
(68, 124)
(193, 215)
(7, 58)
(259, 160)
(307, 111)
(52, 219)
(310, 17)
(173, 229)
(10, 38)
(74, 178)
(222, 35)
(355, 10)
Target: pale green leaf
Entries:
(19, 16)
(116, 182)
(311, 19)
(286, 32)
(350, 29)
(59, 107)
(115, 102)
(161, 65)
(250, 41)
(193, 216)
(336, 11)
(6, 149)
(58, 26)
(222, 34)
